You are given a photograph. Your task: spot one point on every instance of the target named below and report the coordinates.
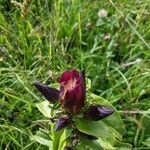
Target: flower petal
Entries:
(72, 90)
(62, 122)
(98, 112)
(74, 100)
(49, 93)
(68, 75)
(80, 91)
(69, 101)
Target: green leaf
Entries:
(88, 84)
(105, 144)
(59, 138)
(100, 129)
(43, 133)
(113, 120)
(42, 137)
(123, 146)
(147, 142)
(44, 108)
(56, 139)
(145, 130)
(108, 130)
(66, 133)
(41, 140)
(88, 145)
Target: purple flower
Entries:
(72, 90)
(49, 93)
(62, 122)
(98, 112)
(71, 93)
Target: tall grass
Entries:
(40, 40)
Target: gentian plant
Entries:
(79, 120)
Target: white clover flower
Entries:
(102, 13)
(107, 36)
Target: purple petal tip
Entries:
(62, 122)
(98, 112)
(51, 94)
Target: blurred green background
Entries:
(39, 39)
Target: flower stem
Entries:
(135, 112)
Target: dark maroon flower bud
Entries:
(62, 122)
(51, 94)
(98, 112)
(72, 90)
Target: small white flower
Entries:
(102, 13)
(107, 36)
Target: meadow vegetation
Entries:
(39, 39)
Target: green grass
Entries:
(56, 35)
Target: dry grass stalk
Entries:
(23, 6)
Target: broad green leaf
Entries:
(88, 145)
(105, 144)
(44, 108)
(41, 140)
(99, 129)
(145, 130)
(123, 146)
(56, 138)
(44, 134)
(145, 123)
(113, 120)
(66, 133)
